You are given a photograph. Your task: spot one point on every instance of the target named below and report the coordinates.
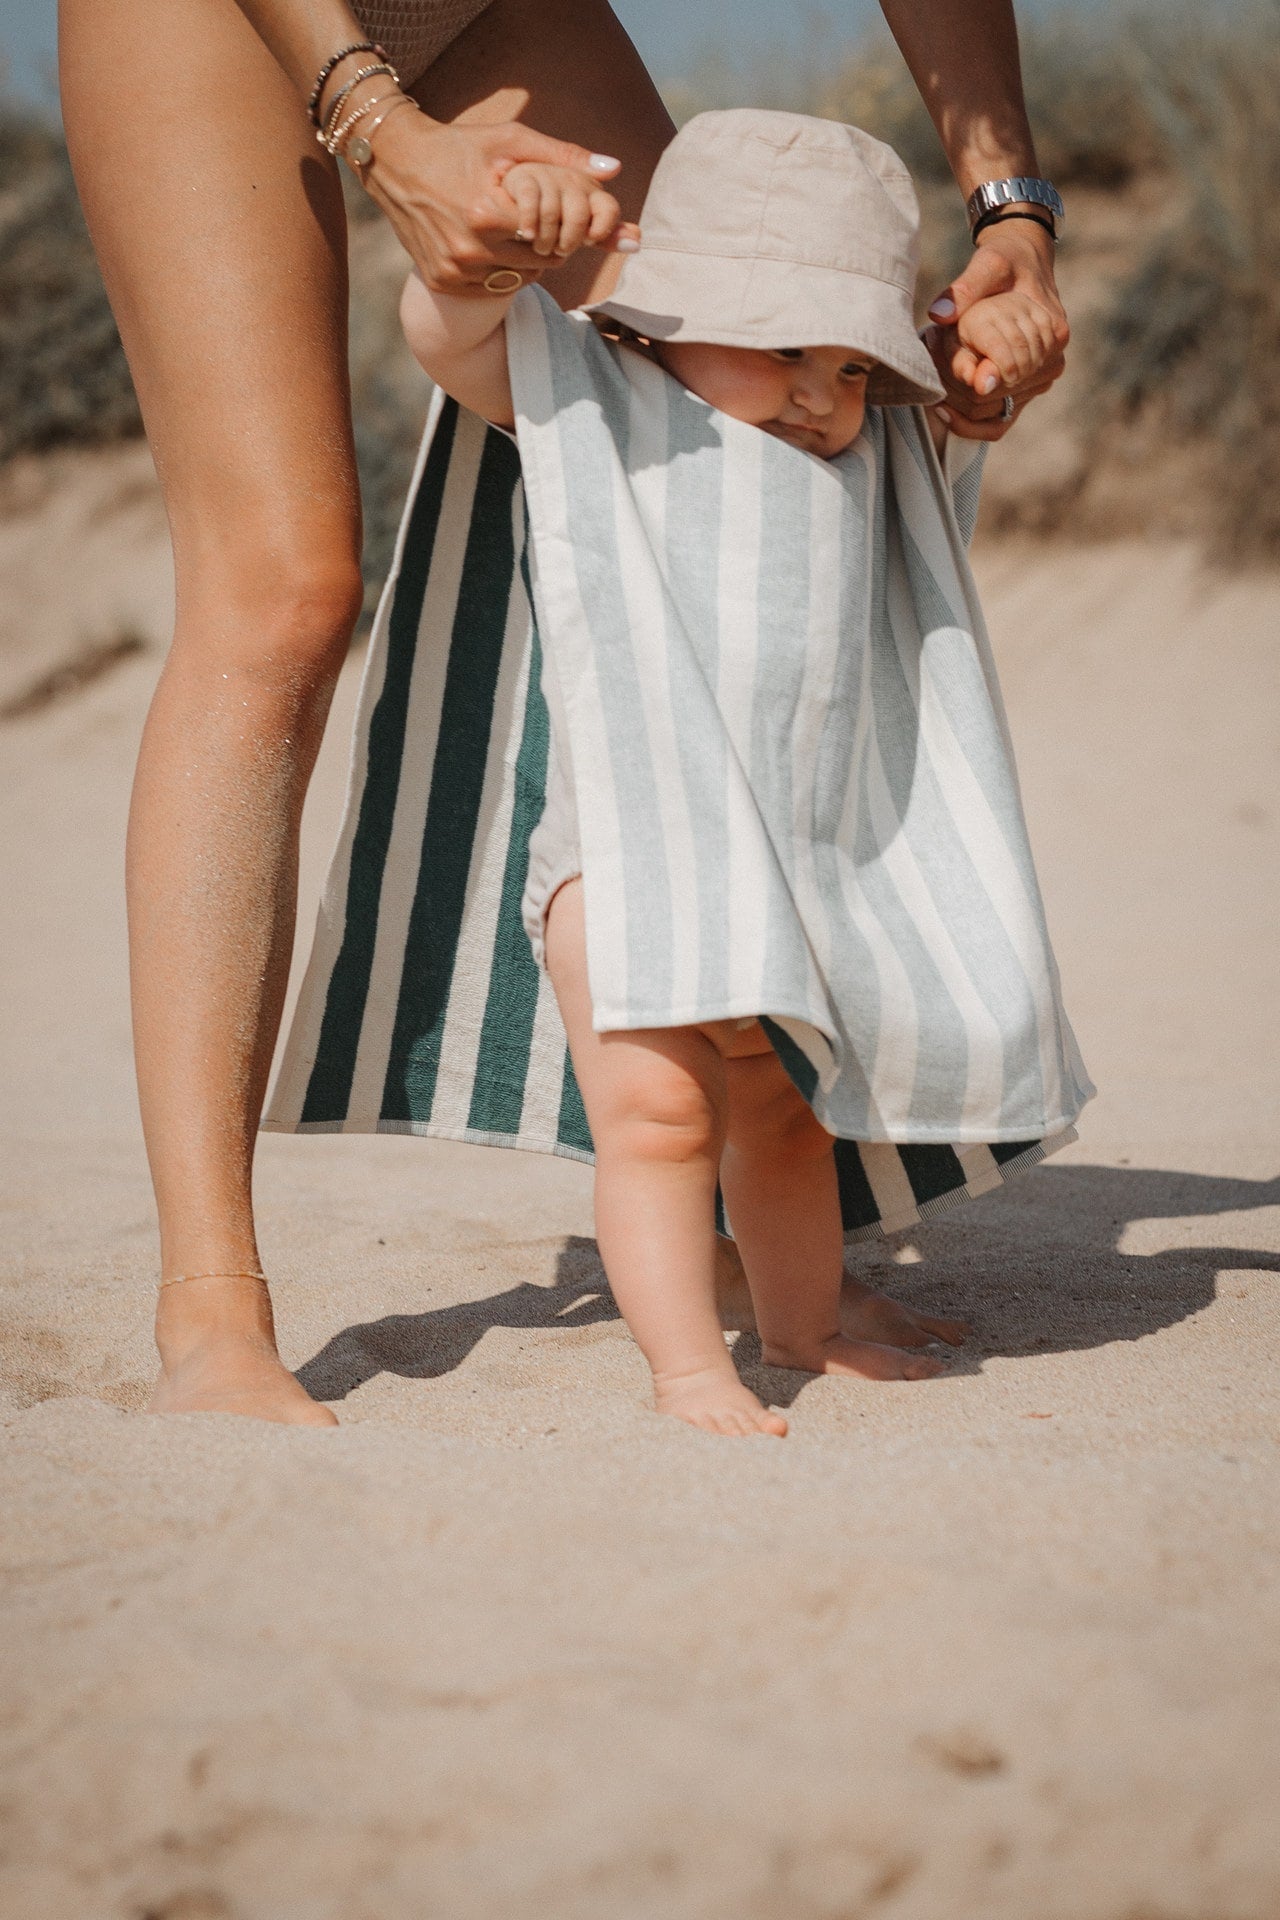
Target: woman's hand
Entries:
(558, 214)
(442, 188)
(1003, 332)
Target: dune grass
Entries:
(1185, 342)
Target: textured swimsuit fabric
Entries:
(795, 788)
(415, 32)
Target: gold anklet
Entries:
(180, 1279)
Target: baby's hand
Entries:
(1012, 331)
(558, 213)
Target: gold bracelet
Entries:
(334, 107)
(181, 1279)
(358, 153)
(334, 143)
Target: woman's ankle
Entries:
(198, 1313)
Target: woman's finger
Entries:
(965, 428)
(514, 142)
(624, 239)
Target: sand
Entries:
(1004, 1646)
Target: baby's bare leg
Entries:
(779, 1179)
(655, 1101)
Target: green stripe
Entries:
(329, 1088)
(857, 1202)
(457, 784)
(800, 1068)
(932, 1171)
(1003, 1151)
(506, 1034)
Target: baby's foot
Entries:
(867, 1315)
(715, 1402)
(838, 1354)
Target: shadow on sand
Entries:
(1053, 1237)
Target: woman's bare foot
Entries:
(716, 1402)
(218, 1355)
(868, 1358)
(868, 1315)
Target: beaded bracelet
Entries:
(334, 142)
(333, 110)
(998, 214)
(335, 60)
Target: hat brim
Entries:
(761, 303)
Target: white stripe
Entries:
(823, 643)
(742, 503)
(891, 1073)
(544, 1082)
(890, 1187)
(298, 1057)
(422, 728)
(641, 531)
(981, 1169)
(968, 806)
(564, 620)
(984, 1076)
(473, 962)
(979, 833)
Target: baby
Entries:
(720, 525)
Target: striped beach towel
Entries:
(422, 1010)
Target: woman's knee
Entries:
(269, 617)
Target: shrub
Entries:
(63, 375)
(1189, 342)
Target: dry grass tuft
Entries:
(1187, 349)
(1177, 369)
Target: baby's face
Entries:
(811, 397)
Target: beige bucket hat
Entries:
(766, 229)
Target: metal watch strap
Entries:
(993, 194)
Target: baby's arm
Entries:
(463, 346)
(460, 338)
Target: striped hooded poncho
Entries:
(794, 784)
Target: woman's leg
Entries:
(220, 232)
(221, 237)
(656, 1105)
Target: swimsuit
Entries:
(416, 32)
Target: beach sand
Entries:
(1006, 1644)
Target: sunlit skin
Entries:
(811, 397)
(225, 261)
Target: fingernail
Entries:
(944, 414)
(602, 163)
(943, 308)
(628, 246)
(990, 384)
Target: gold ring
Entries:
(502, 280)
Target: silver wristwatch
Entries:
(993, 194)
